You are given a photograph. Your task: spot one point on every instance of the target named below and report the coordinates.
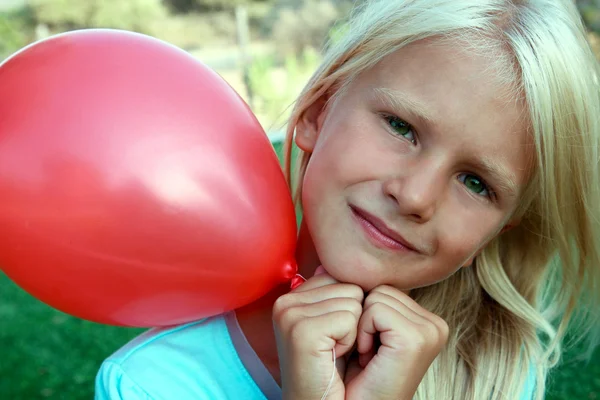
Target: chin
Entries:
(366, 278)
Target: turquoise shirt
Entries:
(208, 359)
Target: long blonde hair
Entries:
(508, 314)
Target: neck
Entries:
(306, 254)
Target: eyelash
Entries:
(390, 119)
(490, 194)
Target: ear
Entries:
(505, 228)
(310, 124)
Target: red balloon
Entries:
(136, 187)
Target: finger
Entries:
(324, 292)
(318, 280)
(324, 307)
(402, 298)
(286, 307)
(428, 316)
(383, 320)
(393, 293)
(325, 332)
(390, 373)
(376, 297)
(365, 358)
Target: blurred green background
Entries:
(266, 49)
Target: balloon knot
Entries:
(297, 281)
(289, 270)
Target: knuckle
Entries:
(287, 317)
(438, 322)
(443, 338)
(372, 298)
(440, 325)
(280, 305)
(355, 292)
(348, 318)
(433, 335)
(377, 307)
(443, 327)
(385, 289)
(382, 298)
(390, 293)
(355, 308)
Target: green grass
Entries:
(46, 354)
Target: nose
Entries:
(417, 191)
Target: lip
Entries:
(379, 233)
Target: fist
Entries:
(310, 322)
(397, 342)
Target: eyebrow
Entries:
(398, 99)
(504, 180)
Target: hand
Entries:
(312, 320)
(411, 338)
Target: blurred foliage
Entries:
(590, 11)
(135, 15)
(14, 32)
(190, 30)
(303, 26)
(184, 6)
(275, 86)
(292, 24)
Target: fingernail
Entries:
(320, 270)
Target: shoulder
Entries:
(192, 361)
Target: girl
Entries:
(448, 176)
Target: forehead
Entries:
(465, 98)
(428, 68)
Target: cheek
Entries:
(316, 185)
(463, 237)
(350, 147)
(457, 250)
(452, 253)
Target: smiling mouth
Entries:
(378, 233)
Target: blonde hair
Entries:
(509, 313)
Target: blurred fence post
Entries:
(243, 36)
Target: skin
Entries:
(411, 142)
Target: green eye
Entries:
(474, 184)
(401, 128)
